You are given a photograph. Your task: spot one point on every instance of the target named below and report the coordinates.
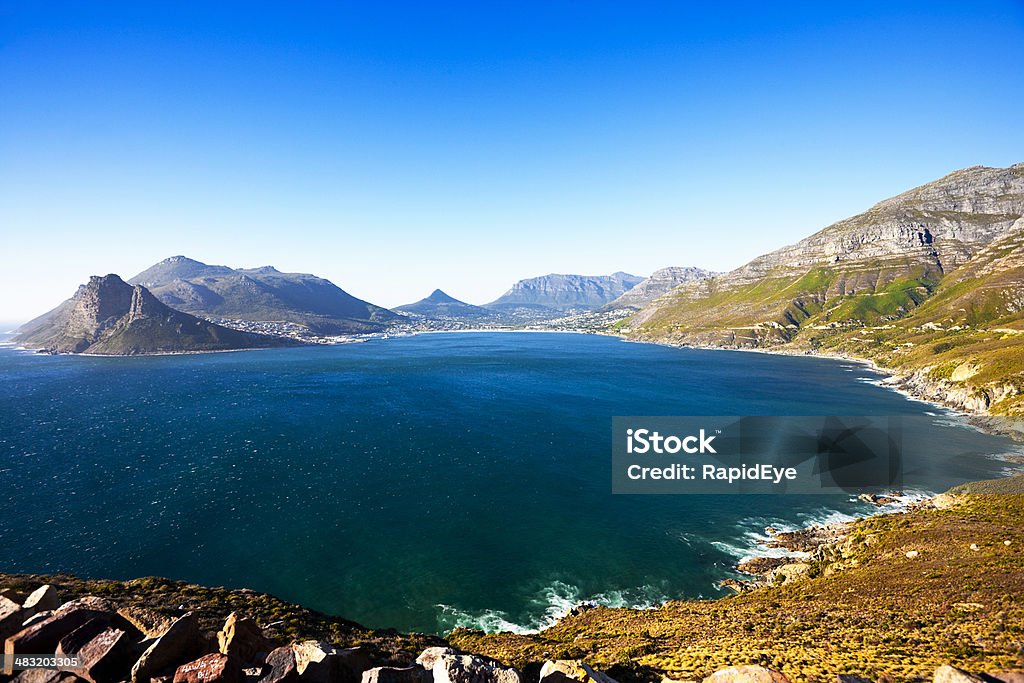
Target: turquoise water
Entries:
(417, 482)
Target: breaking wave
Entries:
(550, 604)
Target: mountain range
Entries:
(260, 294)
(558, 292)
(107, 316)
(929, 283)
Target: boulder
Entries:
(151, 624)
(429, 656)
(107, 656)
(42, 599)
(951, 674)
(211, 668)
(279, 667)
(565, 670)
(471, 669)
(389, 674)
(181, 643)
(324, 663)
(746, 674)
(242, 638)
(44, 635)
(12, 617)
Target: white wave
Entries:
(552, 602)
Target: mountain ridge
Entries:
(563, 292)
(862, 286)
(260, 294)
(107, 316)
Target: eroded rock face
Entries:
(470, 669)
(660, 282)
(746, 674)
(572, 670)
(211, 668)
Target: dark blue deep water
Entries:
(417, 482)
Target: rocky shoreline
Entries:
(97, 640)
(815, 549)
(170, 632)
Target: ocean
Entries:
(418, 482)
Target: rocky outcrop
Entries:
(110, 317)
(660, 282)
(566, 292)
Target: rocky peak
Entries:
(439, 297)
(101, 302)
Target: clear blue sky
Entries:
(399, 147)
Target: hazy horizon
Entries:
(399, 149)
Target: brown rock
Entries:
(181, 643)
(212, 668)
(108, 656)
(746, 674)
(279, 667)
(44, 636)
(388, 674)
(151, 624)
(242, 638)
